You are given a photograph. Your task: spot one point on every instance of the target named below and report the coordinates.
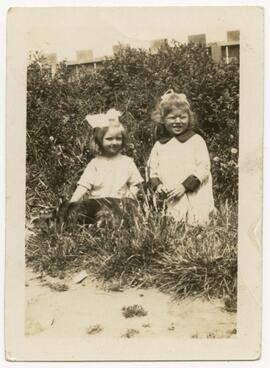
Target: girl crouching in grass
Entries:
(110, 181)
(179, 164)
(109, 174)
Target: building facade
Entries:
(221, 52)
(76, 68)
(226, 51)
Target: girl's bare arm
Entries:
(78, 194)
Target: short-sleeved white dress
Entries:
(111, 177)
(175, 161)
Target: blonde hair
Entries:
(168, 102)
(96, 141)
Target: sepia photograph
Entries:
(137, 158)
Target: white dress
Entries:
(111, 177)
(172, 163)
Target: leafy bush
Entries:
(57, 136)
(196, 261)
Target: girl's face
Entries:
(112, 142)
(176, 121)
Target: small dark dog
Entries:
(95, 210)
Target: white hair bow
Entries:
(181, 97)
(111, 118)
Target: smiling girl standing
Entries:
(179, 164)
(110, 174)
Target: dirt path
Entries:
(86, 311)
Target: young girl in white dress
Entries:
(179, 164)
(110, 174)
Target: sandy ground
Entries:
(85, 310)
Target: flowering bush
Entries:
(58, 138)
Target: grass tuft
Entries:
(134, 311)
(130, 333)
(56, 286)
(155, 252)
(94, 329)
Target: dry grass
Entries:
(56, 286)
(134, 311)
(94, 329)
(156, 251)
(130, 333)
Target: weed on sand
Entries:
(131, 332)
(56, 286)
(94, 329)
(134, 311)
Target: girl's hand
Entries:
(134, 190)
(161, 192)
(160, 189)
(176, 192)
(78, 194)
